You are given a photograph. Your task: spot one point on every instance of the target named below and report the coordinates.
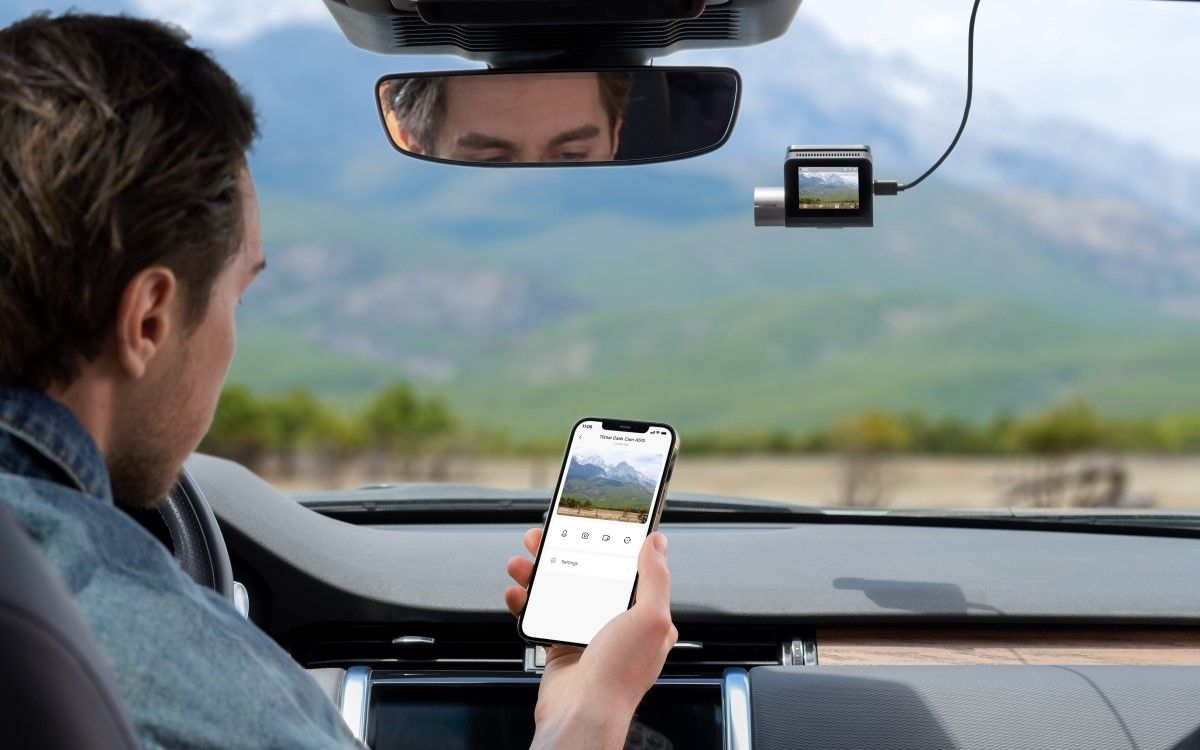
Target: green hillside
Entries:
(955, 305)
(606, 494)
(798, 362)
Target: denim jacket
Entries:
(192, 672)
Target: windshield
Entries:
(1021, 330)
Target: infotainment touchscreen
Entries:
(468, 716)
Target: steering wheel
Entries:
(195, 537)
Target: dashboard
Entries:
(789, 629)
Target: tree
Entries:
(1059, 431)
(240, 430)
(1053, 436)
(864, 441)
(299, 422)
(872, 432)
(1179, 433)
(400, 423)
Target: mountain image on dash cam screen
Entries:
(825, 190)
(610, 491)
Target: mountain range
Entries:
(1046, 260)
(594, 467)
(827, 187)
(595, 489)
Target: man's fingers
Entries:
(533, 538)
(654, 580)
(520, 569)
(565, 653)
(514, 599)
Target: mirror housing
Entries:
(395, 27)
(579, 117)
(545, 12)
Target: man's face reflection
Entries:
(552, 117)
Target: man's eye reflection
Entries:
(576, 144)
(508, 118)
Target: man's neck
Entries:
(92, 401)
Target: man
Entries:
(128, 232)
(529, 117)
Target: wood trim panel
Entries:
(965, 644)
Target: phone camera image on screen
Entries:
(604, 506)
(827, 188)
(620, 488)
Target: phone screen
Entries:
(606, 500)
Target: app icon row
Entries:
(587, 535)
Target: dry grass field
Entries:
(604, 514)
(917, 482)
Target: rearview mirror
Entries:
(559, 118)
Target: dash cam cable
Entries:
(892, 187)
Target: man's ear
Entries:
(145, 315)
(616, 136)
(408, 142)
(403, 137)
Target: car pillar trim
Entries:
(735, 699)
(356, 691)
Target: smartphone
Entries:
(608, 499)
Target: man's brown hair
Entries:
(419, 103)
(120, 148)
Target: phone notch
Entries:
(615, 425)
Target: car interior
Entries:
(799, 626)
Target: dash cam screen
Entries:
(828, 188)
(601, 516)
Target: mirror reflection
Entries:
(556, 118)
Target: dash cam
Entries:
(823, 186)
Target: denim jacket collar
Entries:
(36, 429)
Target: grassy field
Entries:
(609, 500)
(780, 365)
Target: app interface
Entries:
(600, 517)
(827, 188)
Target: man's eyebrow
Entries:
(580, 133)
(479, 140)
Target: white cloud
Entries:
(1120, 65)
(233, 22)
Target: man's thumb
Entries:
(654, 580)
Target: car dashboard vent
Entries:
(701, 650)
(411, 647)
(709, 649)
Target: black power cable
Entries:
(891, 187)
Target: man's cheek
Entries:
(230, 346)
(211, 369)
(226, 341)
(205, 399)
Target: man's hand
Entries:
(588, 696)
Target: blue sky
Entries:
(1116, 64)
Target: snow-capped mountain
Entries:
(623, 472)
(594, 467)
